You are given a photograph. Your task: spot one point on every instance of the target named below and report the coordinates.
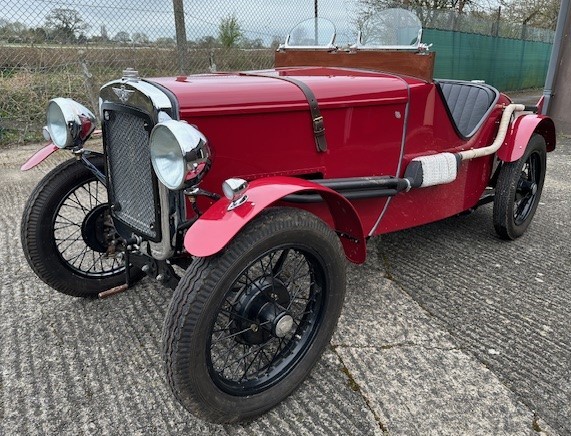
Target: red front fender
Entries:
(45, 152)
(39, 156)
(216, 228)
(520, 133)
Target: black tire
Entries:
(55, 232)
(519, 189)
(226, 309)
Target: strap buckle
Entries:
(318, 127)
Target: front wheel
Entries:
(245, 327)
(66, 230)
(519, 189)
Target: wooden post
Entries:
(180, 28)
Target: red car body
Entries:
(348, 144)
(375, 124)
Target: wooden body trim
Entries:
(400, 62)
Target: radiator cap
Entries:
(130, 74)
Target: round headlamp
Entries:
(179, 154)
(69, 123)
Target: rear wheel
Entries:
(245, 327)
(66, 231)
(519, 189)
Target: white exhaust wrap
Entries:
(441, 168)
(500, 137)
(438, 169)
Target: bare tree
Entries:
(164, 41)
(427, 10)
(64, 24)
(432, 13)
(12, 32)
(456, 5)
(535, 13)
(104, 35)
(140, 38)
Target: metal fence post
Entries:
(557, 59)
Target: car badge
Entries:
(123, 93)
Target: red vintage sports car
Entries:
(245, 192)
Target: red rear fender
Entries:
(520, 133)
(216, 228)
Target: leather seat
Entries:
(468, 103)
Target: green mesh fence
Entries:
(505, 63)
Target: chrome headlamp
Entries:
(179, 154)
(69, 123)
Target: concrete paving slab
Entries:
(75, 366)
(409, 369)
(93, 367)
(507, 303)
(396, 366)
(422, 390)
(378, 314)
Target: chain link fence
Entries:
(51, 48)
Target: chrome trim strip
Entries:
(148, 98)
(164, 249)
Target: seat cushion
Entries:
(468, 103)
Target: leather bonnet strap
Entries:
(316, 117)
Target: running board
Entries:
(355, 188)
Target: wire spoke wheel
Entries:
(519, 189)
(245, 327)
(66, 232)
(270, 313)
(82, 229)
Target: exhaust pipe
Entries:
(442, 168)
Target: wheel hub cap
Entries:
(261, 312)
(283, 325)
(94, 229)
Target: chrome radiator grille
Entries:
(130, 172)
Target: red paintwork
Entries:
(430, 132)
(222, 225)
(45, 152)
(235, 94)
(243, 119)
(39, 156)
(520, 133)
(260, 127)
